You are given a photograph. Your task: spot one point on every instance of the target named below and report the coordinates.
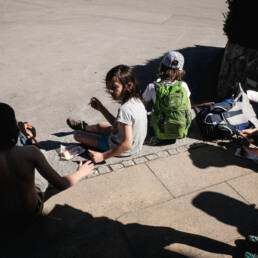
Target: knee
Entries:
(77, 136)
(100, 125)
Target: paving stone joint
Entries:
(103, 169)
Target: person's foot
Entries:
(250, 255)
(154, 141)
(76, 124)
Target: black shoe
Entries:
(76, 124)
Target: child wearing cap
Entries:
(170, 73)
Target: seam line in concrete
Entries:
(201, 189)
(160, 180)
(228, 180)
(233, 188)
(206, 187)
(143, 208)
(144, 158)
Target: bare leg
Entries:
(100, 128)
(86, 138)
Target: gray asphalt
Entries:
(55, 55)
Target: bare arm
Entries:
(96, 104)
(249, 134)
(61, 183)
(125, 145)
(252, 150)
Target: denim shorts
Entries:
(103, 142)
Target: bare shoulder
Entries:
(28, 152)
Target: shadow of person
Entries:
(62, 134)
(229, 211)
(149, 241)
(69, 232)
(49, 145)
(202, 65)
(213, 156)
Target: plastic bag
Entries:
(71, 151)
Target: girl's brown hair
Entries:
(125, 75)
(166, 73)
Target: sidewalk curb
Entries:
(103, 169)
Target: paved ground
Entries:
(55, 54)
(197, 203)
(190, 199)
(185, 205)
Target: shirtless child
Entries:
(18, 197)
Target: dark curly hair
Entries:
(125, 75)
(9, 130)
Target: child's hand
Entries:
(252, 150)
(249, 133)
(96, 104)
(86, 168)
(96, 156)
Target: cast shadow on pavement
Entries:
(202, 66)
(69, 232)
(232, 212)
(214, 156)
(49, 145)
(62, 134)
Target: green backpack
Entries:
(172, 117)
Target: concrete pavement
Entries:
(191, 199)
(197, 203)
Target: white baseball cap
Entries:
(172, 56)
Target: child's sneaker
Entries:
(249, 255)
(76, 124)
(152, 141)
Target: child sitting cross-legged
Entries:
(171, 116)
(126, 132)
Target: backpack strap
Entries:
(239, 126)
(221, 107)
(163, 83)
(157, 85)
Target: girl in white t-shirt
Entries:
(125, 133)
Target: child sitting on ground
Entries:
(125, 134)
(19, 196)
(170, 95)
